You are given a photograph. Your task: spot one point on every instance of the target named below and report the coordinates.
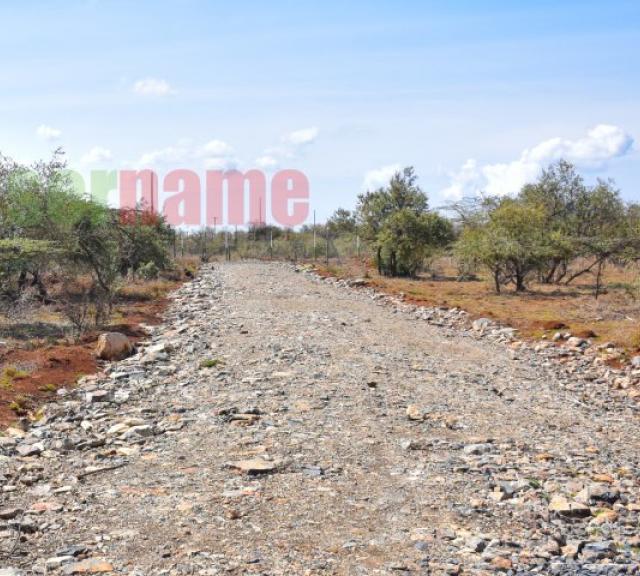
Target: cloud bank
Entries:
(592, 151)
(152, 87)
(378, 177)
(291, 147)
(214, 155)
(96, 155)
(48, 133)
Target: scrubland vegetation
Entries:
(561, 254)
(69, 268)
(59, 248)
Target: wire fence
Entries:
(269, 245)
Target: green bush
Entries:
(149, 271)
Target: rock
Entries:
(113, 346)
(571, 549)
(635, 361)
(476, 544)
(599, 550)
(502, 563)
(118, 428)
(605, 517)
(25, 525)
(481, 324)
(510, 489)
(34, 449)
(9, 513)
(477, 449)
(254, 466)
(91, 566)
(416, 413)
(594, 494)
(135, 432)
(57, 561)
(575, 342)
(568, 509)
(10, 572)
(98, 396)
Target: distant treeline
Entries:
(554, 230)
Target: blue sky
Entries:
(477, 95)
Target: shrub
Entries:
(149, 271)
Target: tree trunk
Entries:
(496, 280)
(552, 272)
(599, 279)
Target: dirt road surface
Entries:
(278, 425)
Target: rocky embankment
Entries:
(282, 424)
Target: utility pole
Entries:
(215, 220)
(271, 243)
(326, 255)
(314, 235)
(204, 244)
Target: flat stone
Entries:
(98, 396)
(91, 566)
(9, 513)
(27, 450)
(477, 449)
(416, 413)
(254, 466)
(568, 509)
(481, 324)
(57, 561)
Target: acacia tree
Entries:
(557, 227)
(508, 239)
(342, 222)
(561, 193)
(396, 220)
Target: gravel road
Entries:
(279, 425)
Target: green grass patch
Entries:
(211, 363)
(9, 374)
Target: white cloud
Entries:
(214, 155)
(290, 149)
(267, 161)
(218, 155)
(301, 137)
(216, 148)
(47, 133)
(152, 87)
(464, 182)
(379, 177)
(220, 163)
(168, 155)
(601, 144)
(96, 155)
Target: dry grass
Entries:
(540, 312)
(38, 355)
(146, 291)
